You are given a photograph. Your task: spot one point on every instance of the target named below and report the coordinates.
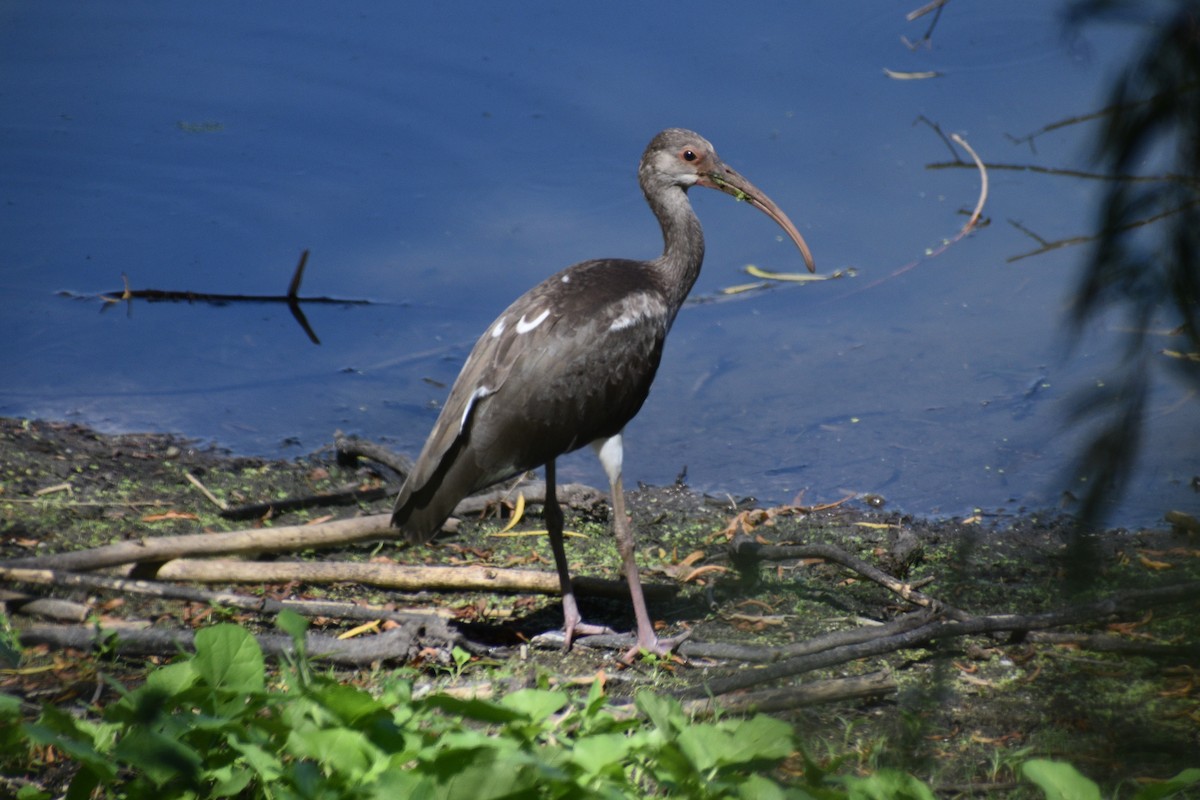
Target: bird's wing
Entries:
(568, 362)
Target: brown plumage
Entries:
(570, 362)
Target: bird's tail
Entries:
(428, 497)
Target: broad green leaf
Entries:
(292, 624)
(595, 754)
(738, 742)
(705, 746)
(229, 659)
(537, 704)
(400, 781)
(230, 780)
(349, 703)
(82, 740)
(760, 738)
(886, 784)
(1059, 780)
(268, 765)
(480, 710)
(1156, 791)
(756, 787)
(31, 792)
(491, 776)
(666, 713)
(173, 679)
(83, 785)
(160, 758)
(341, 750)
(10, 707)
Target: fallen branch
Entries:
(400, 644)
(943, 630)
(282, 539)
(263, 605)
(286, 538)
(465, 578)
(351, 448)
(765, 654)
(772, 701)
(745, 550)
(352, 494)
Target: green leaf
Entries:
(293, 625)
(602, 753)
(351, 704)
(81, 740)
(736, 743)
(760, 738)
(401, 781)
(704, 746)
(887, 784)
(160, 758)
(1059, 780)
(536, 704)
(268, 765)
(479, 710)
(173, 679)
(665, 712)
(1183, 780)
(340, 750)
(10, 707)
(31, 792)
(84, 784)
(229, 659)
(756, 787)
(491, 775)
(230, 781)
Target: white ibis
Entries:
(569, 363)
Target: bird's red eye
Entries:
(688, 155)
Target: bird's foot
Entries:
(654, 646)
(578, 628)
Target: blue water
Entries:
(438, 159)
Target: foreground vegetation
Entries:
(215, 725)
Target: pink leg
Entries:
(610, 452)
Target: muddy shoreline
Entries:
(963, 713)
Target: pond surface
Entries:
(440, 158)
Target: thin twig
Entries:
(216, 501)
(983, 185)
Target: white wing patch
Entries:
(634, 309)
(499, 329)
(525, 326)
(478, 394)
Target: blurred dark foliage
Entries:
(1145, 264)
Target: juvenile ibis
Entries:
(569, 363)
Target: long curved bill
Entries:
(726, 179)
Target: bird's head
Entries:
(683, 158)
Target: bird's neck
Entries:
(683, 246)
